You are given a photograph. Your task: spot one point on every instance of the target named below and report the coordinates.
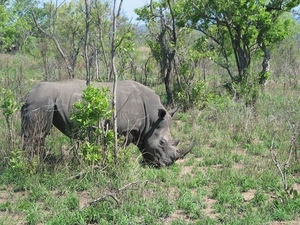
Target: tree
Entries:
(160, 21)
(16, 26)
(237, 30)
(4, 18)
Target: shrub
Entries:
(89, 115)
(191, 96)
(8, 107)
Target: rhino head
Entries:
(159, 149)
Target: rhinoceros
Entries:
(140, 117)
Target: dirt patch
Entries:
(189, 169)
(238, 166)
(184, 160)
(173, 193)
(292, 222)
(84, 199)
(296, 187)
(217, 166)
(4, 196)
(240, 152)
(186, 170)
(10, 197)
(248, 195)
(13, 218)
(209, 211)
(181, 161)
(177, 215)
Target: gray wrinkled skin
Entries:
(141, 117)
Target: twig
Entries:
(286, 164)
(274, 158)
(103, 198)
(132, 183)
(292, 145)
(80, 174)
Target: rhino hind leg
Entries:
(36, 125)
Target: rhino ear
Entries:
(162, 113)
(173, 111)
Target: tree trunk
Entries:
(168, 76)
(114, 70)
(263, 76)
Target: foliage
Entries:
(195, 96)
(286, 203)
(16, 27)
(237, 30)
(246, 90)
(18, 163)
(88, 114)
(8, 107)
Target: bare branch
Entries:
(119, 9)
(287, 162)
(53, 38)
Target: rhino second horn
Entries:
(183, 152)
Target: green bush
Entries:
(192, 96)
(8, 107)
(89, 115)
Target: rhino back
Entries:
(137, 105)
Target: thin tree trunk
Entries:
(114, 70)
(86, 46)
(97, 65)
(103, 53)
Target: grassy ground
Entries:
(229, 177)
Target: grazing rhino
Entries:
(140, 117)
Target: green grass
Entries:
(230, 160)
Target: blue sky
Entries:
(128, 7)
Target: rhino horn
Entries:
(183, 152)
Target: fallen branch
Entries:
(113, 195)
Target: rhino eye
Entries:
(163, 142)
